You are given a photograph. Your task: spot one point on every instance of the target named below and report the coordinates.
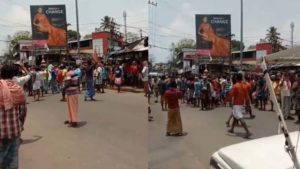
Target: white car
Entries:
(263, 153)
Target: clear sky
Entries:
(172, 20)
(15, 15)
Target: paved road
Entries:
(206, 134)
(112, 134)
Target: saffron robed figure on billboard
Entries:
(49, 25)
(213, 35)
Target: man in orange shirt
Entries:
(248, 102)
(174, 126)
(239, 96)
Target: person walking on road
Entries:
(145, 74)
(71, 89)
(174, 125)
(13, 111)
(37, 77)
(248, 102)
(197, 92)
(118, 77)
(296, 90)
(239, 96)
(285, 87)
(98, 78)
(162, 87)
(90, 90)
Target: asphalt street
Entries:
(112, 134)
(207, 133)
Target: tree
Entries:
(151, 62)
(176, 49)
(13, 41)
(87, 36)
(131, 37)
(109, 24)
(273, 37)
(20, 35)
(252, 47)
(106, 23)
(72, 35)
(236, 45)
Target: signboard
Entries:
(263, 49)
(213, 35)
(98, 46)
(49, 25)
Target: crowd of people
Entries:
(242, 91)
(68, 80)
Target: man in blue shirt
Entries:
(197, 91)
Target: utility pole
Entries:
(151, 22)
(77, 24)
(230, 57)
(141, 33)
(292, 34)
(125, 25)
(241, 45)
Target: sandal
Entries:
(150, 118)
(230, 131)
(180, 134)
(248, 135)
(227, 124)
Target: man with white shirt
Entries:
(145, 78)
(37, 77)
(21, 80)
(285, 90)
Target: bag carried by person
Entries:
(118, 80)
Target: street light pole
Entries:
(241, 44)
(125, 25)
(77, 24)
(292, 34)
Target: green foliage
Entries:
(252, 47)
(273, 37)
(236, 45)
(176, 49)
(87, 36)
(108, 24)
(13, 42)
(20, 35)
(131, 37)
(72, 35)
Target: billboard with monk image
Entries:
(48, 25)
(213, 34)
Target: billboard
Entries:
(49, 25)
(213, 34)
(98, 46)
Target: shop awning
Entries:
(84, 51)
(285, 56)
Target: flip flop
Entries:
(227, 124)
(248, 136)
(230, 131)
(180, 134)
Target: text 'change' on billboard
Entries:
(213, 34)
(49, 25)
